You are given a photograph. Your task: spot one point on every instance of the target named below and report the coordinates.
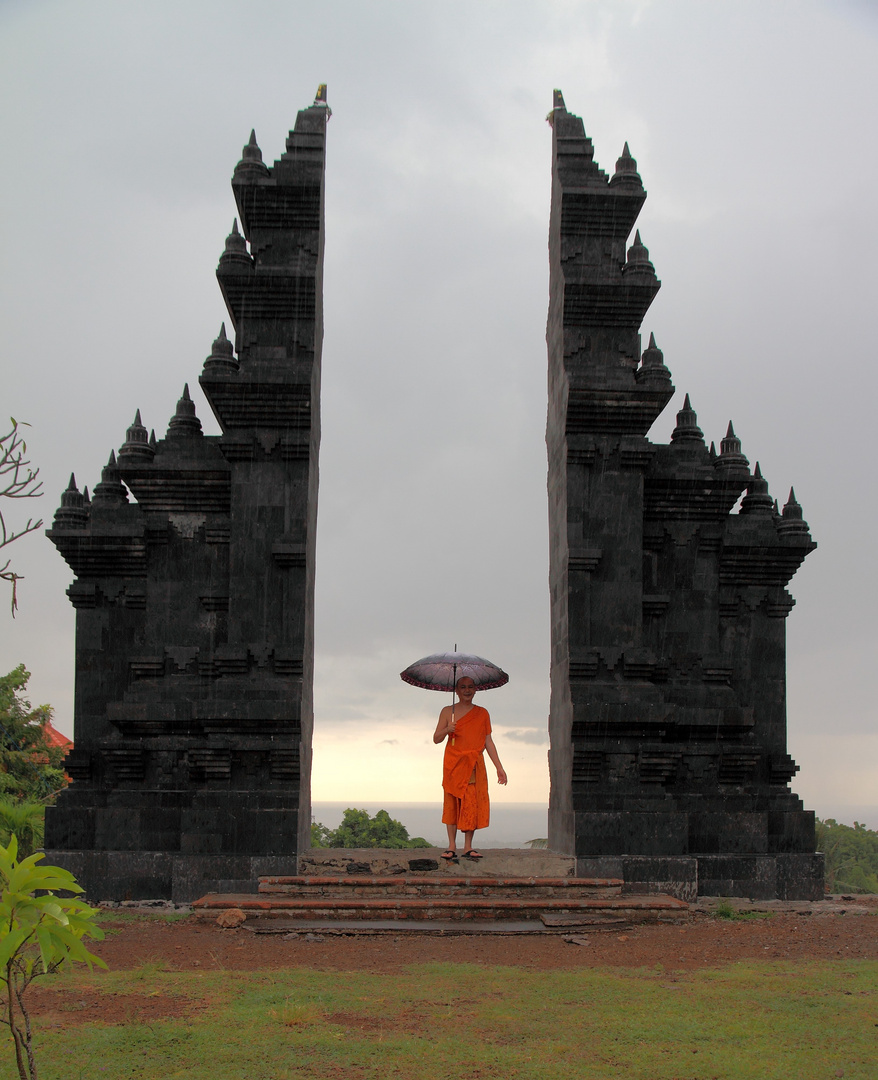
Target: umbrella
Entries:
(442, 670)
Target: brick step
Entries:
(628, 909)
(436, 888)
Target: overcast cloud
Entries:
(753, 125)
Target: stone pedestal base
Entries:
(757, 877)
(166, 875)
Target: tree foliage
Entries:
(851, 856)
(17, 481)
(358, 830)
(30, 764)
(39, 932)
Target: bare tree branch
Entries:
(17, 481)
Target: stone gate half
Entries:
(195, 604)
(668, 751)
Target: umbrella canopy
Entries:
(442, 670)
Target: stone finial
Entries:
(72, 513)
(251, 164)
(136, 447)
(184, 423)
(757, 500)
(638, 259)
(557, 106)
(730, 456)
(110, 491)
(222, 355)
(652, 367)
(320, 101)
(626, 172)
(236, 248)
(792, 523)
(153, 442)
(687, 429)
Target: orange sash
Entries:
(467, 752)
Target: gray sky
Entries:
(753, 125)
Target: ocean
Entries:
(512, 824)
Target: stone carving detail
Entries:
(194, 589)
(668, 607)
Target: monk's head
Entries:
(465, 688)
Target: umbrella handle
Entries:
(453, 685)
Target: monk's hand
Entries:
(501, 776)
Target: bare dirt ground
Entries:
(194, 945)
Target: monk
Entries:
(464, 776)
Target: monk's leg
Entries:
(452, 835)
(468, 839)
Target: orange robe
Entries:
(466, 801)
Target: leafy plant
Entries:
(30, 763)
(851, 856)
(358, 830)
(39, 932)
(23, 819)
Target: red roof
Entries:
(55, 738)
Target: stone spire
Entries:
(251, 165)
(236, 249)
(792, 523)
(652, 368)
(626, 171)
(222, 355)
(71, 514)
(687, 429)
(136, 447)
(110, 491)
(757, 500)
(184, 423)
(638, 260)
(730, 456)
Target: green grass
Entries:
(725, 910)
(766, 1021)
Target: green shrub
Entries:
(851, 856)
(358, 830)
(39, 932)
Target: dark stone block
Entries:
(791, 832)
(423, 864)
(751, 876)
(728, 833)
(674, 877)
(630, 833)
(801, 876)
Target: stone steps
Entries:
(568, 901)
(412, 886)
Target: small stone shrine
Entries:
(195, 604)
(668, 756)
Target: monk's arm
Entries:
(495, 757)
(444, 727)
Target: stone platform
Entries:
(418, 887)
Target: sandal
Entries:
(449, 855)
(472, 854)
